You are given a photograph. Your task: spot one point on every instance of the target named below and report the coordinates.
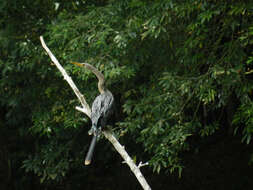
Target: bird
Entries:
(102, 109)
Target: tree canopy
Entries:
(180, 71)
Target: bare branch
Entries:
(81, 109)
(121, 150)
(86, 107)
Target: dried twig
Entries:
(142, 164)
(86, 110)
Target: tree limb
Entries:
(86, 109)
(121, 150)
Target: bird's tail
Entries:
(91, 150)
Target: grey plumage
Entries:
(101, 110)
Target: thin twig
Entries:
(142, 164)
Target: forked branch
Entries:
(86, 109)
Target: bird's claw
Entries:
(95, 131)
(92, 130)
(98, 132)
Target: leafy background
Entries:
(181, 73)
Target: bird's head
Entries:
(99, 75)
(78, 64)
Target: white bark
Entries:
(86, 107)
(121, 150)
(86, 110)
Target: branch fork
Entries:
(142, 164)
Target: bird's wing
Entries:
(108, 106)
(96, 110)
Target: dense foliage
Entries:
(181, 72)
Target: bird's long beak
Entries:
(78, 64)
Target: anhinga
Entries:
(102, 109)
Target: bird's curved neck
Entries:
(101, 87)
(100, 77)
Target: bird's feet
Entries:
(98, 132)
(92, 130)
(95, 131)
